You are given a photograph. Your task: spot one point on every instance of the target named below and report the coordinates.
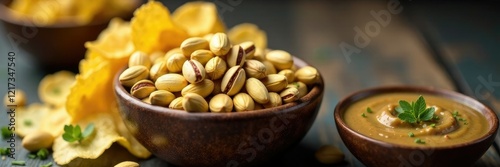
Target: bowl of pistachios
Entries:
(210, 103)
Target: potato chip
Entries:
(131, 144)
(153, 29)
(85, 11)
(248, 32)
(29, 119)
(114, 42)
(53, 89)
(198, 18)
(53, 120)
(105, 134)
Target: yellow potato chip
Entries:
(54, 120)
(53, 89)
(29, 119)
(248, 32)
(131, 144)
(114, 42)
(198, 18)
(153, 29)
(85, 11)
(104, 135)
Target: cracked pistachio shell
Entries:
(193, 71)
(139, 58)
(221, 103)
(215, 68)
(203, 88)
(219, 44)
(302, 87)
(255, 68)
(269, 67)
(142, 89)
(236, 56)
(158, 70)
(161, 98)
(132, 75)
(243, 102)
(275, 82)
(192, 44)
(274, 100)
(176, 103)
(249, 48)
(289, 95)
(233, 80)
(202, 56)
(289, 74)
(171, 82)
(308, 75)
(280, 59)
(257, 90)
(175, 62)
(193, 102)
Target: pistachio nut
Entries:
(171, 82)
(308, 75)
(215, 68)
(189, 45)
(127, 164)
(280, 59)
(233, 80)
(158, 70)
(249, 48)
(257, 90)
(193, 102)
(217, 86)
(175, 62)
(161, 98)
(255, 68)
(176, 103)
(259, 54)
(243, 102)
(329, 155)
(289, 95)
(172, 52)
(236, 57)
(270, 69)
(275, 82)
(37, 140)
(142, 88)
(219, 44)
(133, 74)
(274, 100)
(193, 71)
(203, 88)
(302, 87)
(202, 56)
(289, 74)
(156, 57)
(221, 103)
(139, 58)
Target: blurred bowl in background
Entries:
(57, 46)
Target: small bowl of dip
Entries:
(381, 129)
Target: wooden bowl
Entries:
(219, 139)
(53, 47)
(372, 152)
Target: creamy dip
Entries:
(454, 123)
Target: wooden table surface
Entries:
(433, 46)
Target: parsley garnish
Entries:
(43, 153)
(414, 112)
(4, 151)
(418, 141)
(49, 164)
(369, 110)
(6, 133)
(20, 163)
(411, 134)
(31, 156)
(74, 133)
(433, 125)
(363, 115)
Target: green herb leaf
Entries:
(369, 110)
(49, 164)
(4, 151)
(74, 133)
(411, 134)
(414, 112)
(6, 133)
(31, 156)
(19, 163)
(363, 115)
(419, 141)
(43, 153)
(433, 125)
